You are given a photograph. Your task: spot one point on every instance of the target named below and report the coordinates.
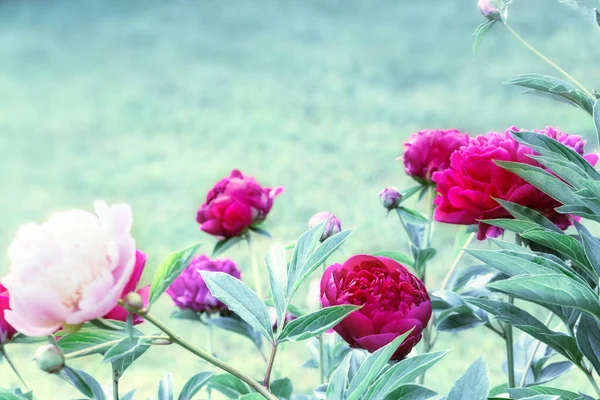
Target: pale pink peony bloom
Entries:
(69, 270)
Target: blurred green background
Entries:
(151, 102)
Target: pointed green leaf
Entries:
(194, 384)
(169, 270)
(315, 323)
(165, 388)
(588, 339)
(277, 267)
(411, 391)
(474, 384)
(522, 393)
(240, 299)
(83, 382)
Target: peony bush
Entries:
(521, 203)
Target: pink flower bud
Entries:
(393, 302)
(332, 227)
(492, 9)
(234, 204)
(189, 291)
(390, 198)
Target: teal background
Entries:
(151, 102)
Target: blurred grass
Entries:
(150, 102)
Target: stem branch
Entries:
(593, 382)
(549, 61)
(115, 384)
(207, 357)
(267, 380)
(509, 350)
(532, 356)
(456, 262)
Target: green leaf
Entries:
(124, 353)
(315, 323)
(165, 388)
(7, 395)
(86, 338)
(228, 385)
(591, 246)
(474, 384)
(457, 318)
(282, 388)
(24, 339)
(315, 259)
(395, 255)
(588, 339)
(480, 33)
(547, 146)
(129, 395)
(83, 382)
(277, 267)
(186, 313)
(473, 272)
(240, 299)
(525, 213)
(596, 111)
(371, 368)
(169, 270)
(542, 397)
(411, 216)
(241, 327)
(523, 393)
(337, 385)
(225, 244)
(551, 289)
(194, 384)
(251, 396)
(411, 391)
(513, 225)
(403, 372)
(521, 319)
(555, 87)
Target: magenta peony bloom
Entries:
(393, 302)
(189, 291)
(466, 189)
(390, 198)
(429, 151)
(6, 330)
(119, 313)
(333, 226)
(69, 270)
(234, 204)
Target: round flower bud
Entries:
(133, 302)
(332, 227)
(428, 151)
(393, 302)
(234, 204)
(468, 189)
(189, 291)
(49, 358)
(390, 198)
(492, 9)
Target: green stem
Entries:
(456, 262)
(211, 350)
(12, 366)
(532, 355)
(207, 357)
(550, 62)
(593, 382)
(321, 360)
(255, 268)
(115, 384)
(509, 350)
(93, 349)
(267, 380)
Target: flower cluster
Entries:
(468, 188)
(234, 204)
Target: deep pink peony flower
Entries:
(234, 204)
(393, 302)
(333, 227)
(189, 291)
(6, 330)
(119, 313)
(466, 189)
(429, 151)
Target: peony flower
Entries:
(234, 204)
(189, 291)
(393, 302)
(119, 313)
(333, 226)
(429, 151)
(69, 270)
(390, 198)
(6, 330)
(467, 189)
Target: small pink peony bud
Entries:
(49, 358)
(333, 225)
(390, 198)
(492, 9)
